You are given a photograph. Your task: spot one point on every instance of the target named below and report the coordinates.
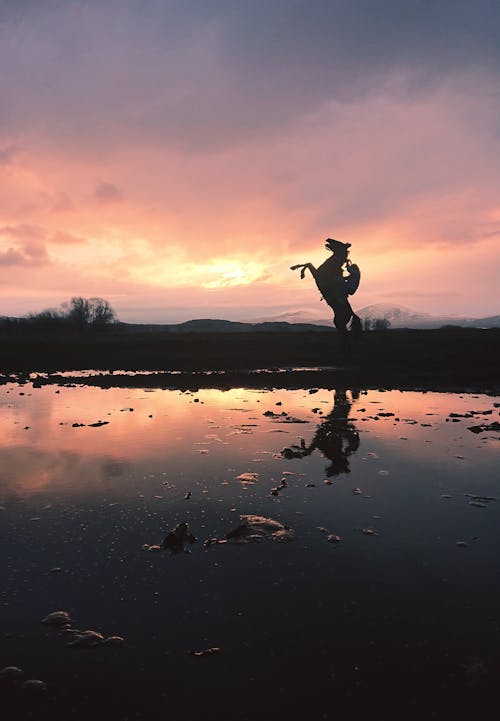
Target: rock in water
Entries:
(176, 539)
(259, 528)
(57, 618)
(86, 639)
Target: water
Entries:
(402, 619)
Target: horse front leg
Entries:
(304, 267)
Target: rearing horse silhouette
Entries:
(336, 436)
(334, 287)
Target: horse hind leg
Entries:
(348, 325)
(340, 321)
(356, 326)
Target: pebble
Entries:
(332, 538)
(12, 672)
(113, 641)
(34, 685)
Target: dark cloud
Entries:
(107, 193)
(7, 154)
(30, 252)
(28, 233)
(23, 231)
(201, 76)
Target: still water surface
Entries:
(396, 615)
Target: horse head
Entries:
(340, 250)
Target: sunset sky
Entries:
(177, 156)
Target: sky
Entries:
(177, 156)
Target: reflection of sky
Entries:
(175, 437)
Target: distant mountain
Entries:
(297, 316)
(211, 325)
(399, 317)
(402, 317)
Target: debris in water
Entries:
(480, 499)
(176, 539)
(206, 651)
(247, 478)
(495, 426)
(330, 537)
(357, 491)
(283, 484)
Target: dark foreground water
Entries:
(398, 619)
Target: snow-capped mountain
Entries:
(399, 317)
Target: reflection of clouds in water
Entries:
(28, 470)
(135, 450)
(114, 469)
(336, 436)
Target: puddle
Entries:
(405, 588)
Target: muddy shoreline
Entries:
(290, 379)
(447, 359)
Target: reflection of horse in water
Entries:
(334, 287)
(336, 436)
